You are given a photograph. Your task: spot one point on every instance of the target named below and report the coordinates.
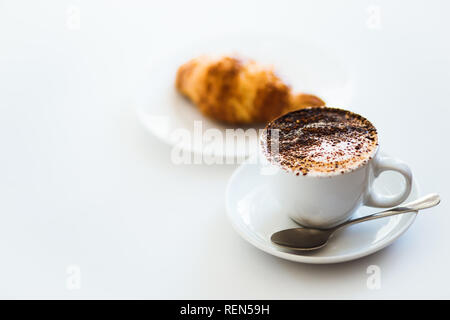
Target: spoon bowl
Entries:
(303, 239)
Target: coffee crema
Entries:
(319, 141)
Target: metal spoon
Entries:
(312, 239)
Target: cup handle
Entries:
(380, 164)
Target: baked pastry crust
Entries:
(238, 91)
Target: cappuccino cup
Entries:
(321, 164)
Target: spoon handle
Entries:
(425, 202)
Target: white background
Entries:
(82, 183)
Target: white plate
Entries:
(256, 215)
(306, 66)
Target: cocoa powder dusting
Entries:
(320, 140)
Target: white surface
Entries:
(256, 214)
(82, 183)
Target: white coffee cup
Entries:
(326, 201)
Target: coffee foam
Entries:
(320, 141)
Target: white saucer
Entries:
(306, 66)
(256, 215)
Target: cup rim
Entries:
(332, 174)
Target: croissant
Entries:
(237, 91)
